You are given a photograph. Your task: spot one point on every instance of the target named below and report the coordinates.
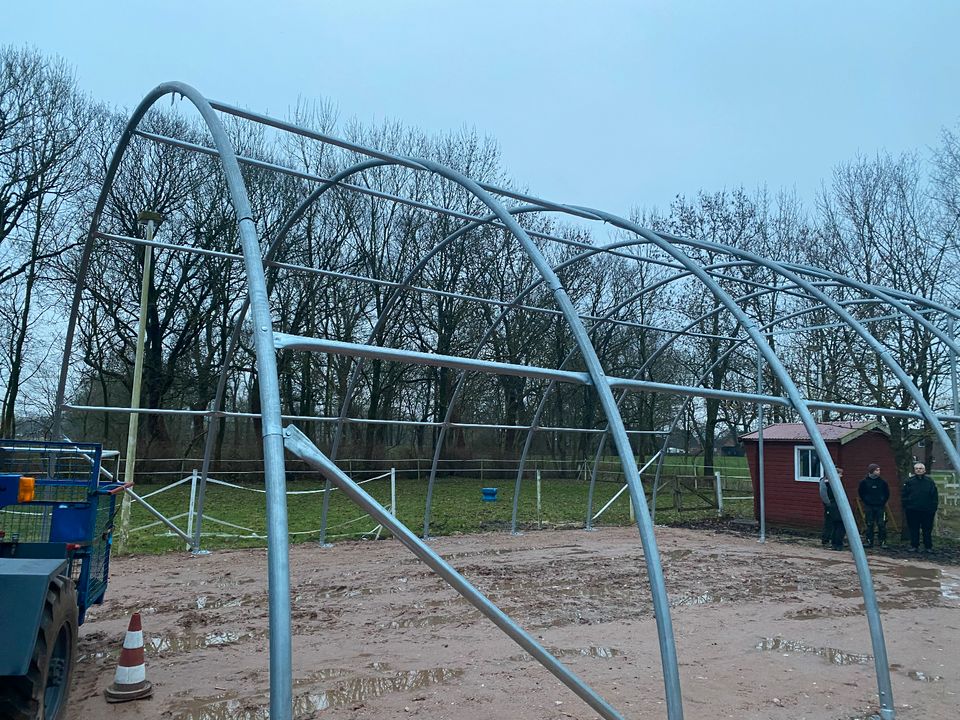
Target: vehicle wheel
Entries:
(42, 693)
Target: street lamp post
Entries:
(149, 221)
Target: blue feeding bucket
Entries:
(489, 494)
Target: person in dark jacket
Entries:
(874, 494)
(833, 529)
(920, 498)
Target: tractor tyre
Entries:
(42, 693)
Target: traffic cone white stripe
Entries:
(133, 639)
(130, 675)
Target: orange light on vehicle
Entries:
(27, 490)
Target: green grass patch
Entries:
(457, 508)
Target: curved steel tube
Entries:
(793, 393)
(268, 257)
(661, 604)
(281, 693)
(280, 662)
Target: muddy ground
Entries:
(763, 631)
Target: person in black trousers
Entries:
(874, 493)
(920, 498)
(829, 524)
(833, 530)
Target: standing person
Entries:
(920, 498)
(826, 497)
(874, 494)
(833, 529)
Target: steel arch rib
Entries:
(281, 679)
(863, 570)
(655, 571)
(272, 250)
(668, 652)
(922, 405)
(660, 600)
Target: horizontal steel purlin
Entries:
(294, 267)
(285, 341)
(541, 205)
(354, 420)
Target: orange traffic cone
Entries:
(130, 682)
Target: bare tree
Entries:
(44, 119)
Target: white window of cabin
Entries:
(806, 464)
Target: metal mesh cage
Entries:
(71, 505)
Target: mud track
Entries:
(763, 631)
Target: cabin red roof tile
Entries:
(841, 432)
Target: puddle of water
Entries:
(324, 674)
(923, 677)
(342, 693)
(917, 578)
(205, 602)
(594, 651)
(914, 577)
(160, 644)
(831, 655)
(703, 599)
(183, 643)
(419, 622)
(950, 586)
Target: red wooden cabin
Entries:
(792, 469)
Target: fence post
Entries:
(193, 500)
(539, 524)
(393, 491)
(123, 536)
(481, 472)
(719, 494)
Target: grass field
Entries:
(457, 508)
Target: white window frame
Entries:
(796, 463)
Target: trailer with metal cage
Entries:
(57, 506)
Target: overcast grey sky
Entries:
(612, 104)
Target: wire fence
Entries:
(235, 530)
(173, 513)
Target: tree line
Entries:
(882, 220)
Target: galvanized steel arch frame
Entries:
(280, 655)
(502, 218)
(281, 669)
